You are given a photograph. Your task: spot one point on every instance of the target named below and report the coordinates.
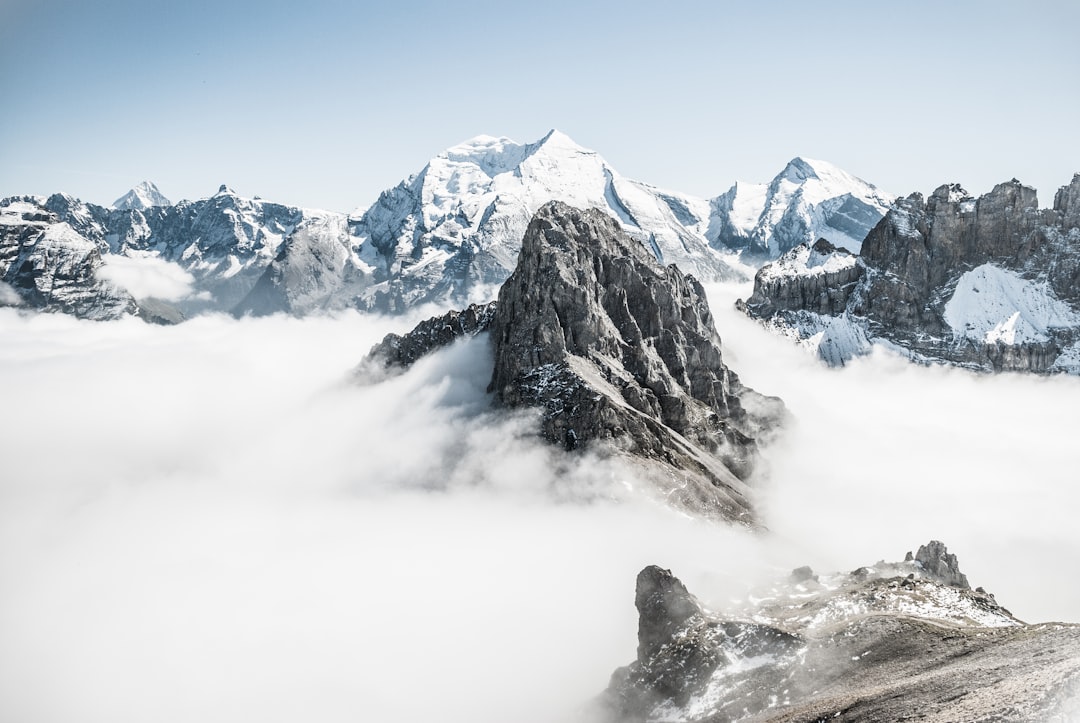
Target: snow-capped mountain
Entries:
(808, 200)
(224, 242)
(452, 232)
(145, 195)
(987, 283)
(46, 263)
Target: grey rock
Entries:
(620, 355)
(400, 352)
(936, 562)
(880, 646)
(824, 293)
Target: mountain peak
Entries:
(556, 139)
(141, 197)
(802, 169)
(224, 190)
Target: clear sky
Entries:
(325, 103)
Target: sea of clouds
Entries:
(215, 521)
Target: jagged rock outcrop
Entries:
(619, 354)
(889, 642)
(818, 278)
(988, 283)
(934, 559)
(439, 331)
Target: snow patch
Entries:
(993, 305)
(803, 260)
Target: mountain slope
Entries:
(452, 232)
(988, 283)
(806, 201)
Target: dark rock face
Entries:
(894, 641)
(439, 331)
(616, 351)
(681, 646)
(918, 275)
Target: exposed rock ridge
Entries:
(616, 351)
(439, 331)
(991, 283)
(889, 642)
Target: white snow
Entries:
(799, 201)
(145, 195)
(992, 304)
(803, 260)
(13, 213)
(485, 191)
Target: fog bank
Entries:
(209, 521)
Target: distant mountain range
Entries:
(448, 234)
(989, 283)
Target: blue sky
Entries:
(326, 103)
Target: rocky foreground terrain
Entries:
(619, 354)
(895, 641)
(991, 283)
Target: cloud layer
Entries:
(210, 522)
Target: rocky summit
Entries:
(987, 283)
(895, 641)
(620, 355)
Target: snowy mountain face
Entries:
(145, 195)
(224, 242)
(987, 283)
(452, 232)
(46, 263)
(808, 200)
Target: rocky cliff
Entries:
(889, 642)
(619, 354)
(988, 283)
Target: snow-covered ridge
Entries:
(991, 304)
(807, 260)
